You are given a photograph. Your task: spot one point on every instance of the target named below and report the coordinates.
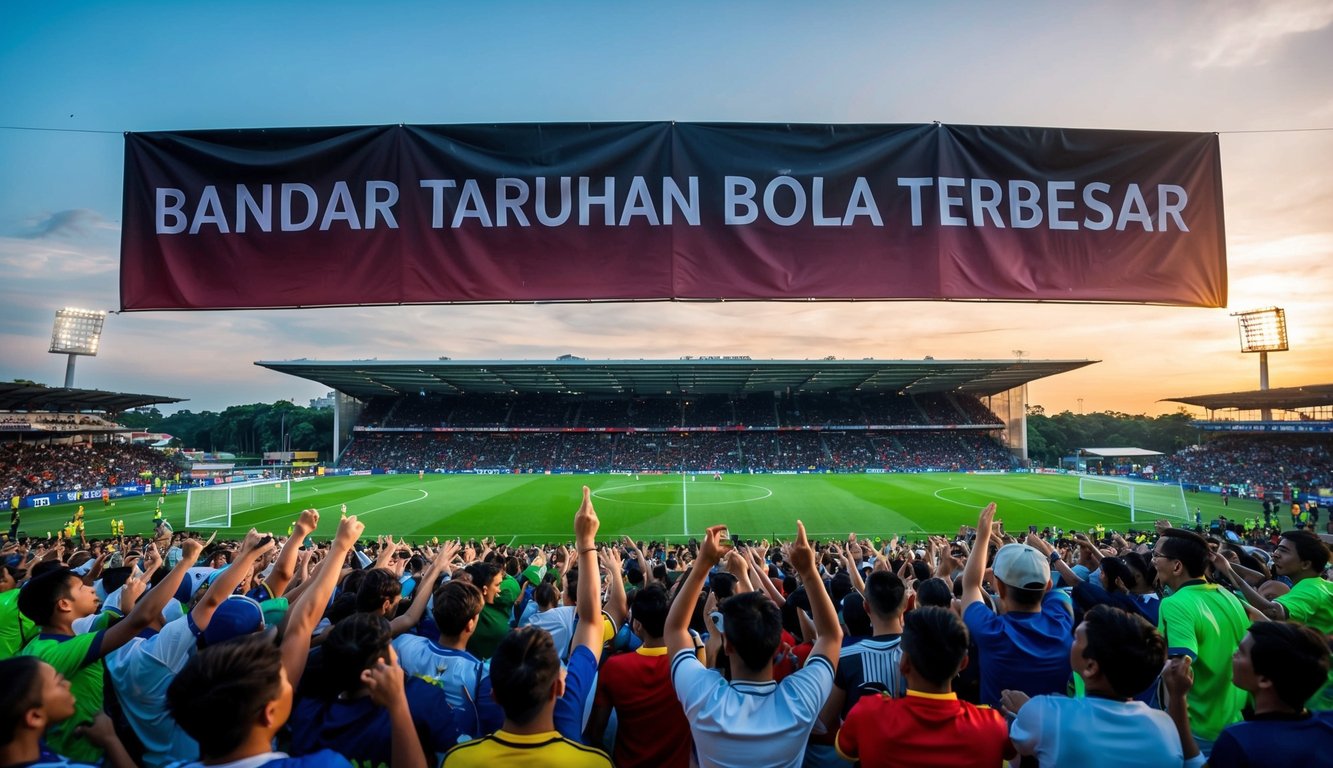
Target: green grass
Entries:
(540, 508)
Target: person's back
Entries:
(1204, 622)
(1027, 646)
(1116, 654)
(1280, 665)
(929, 726)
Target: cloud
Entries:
(1251, 32)
(75, 222)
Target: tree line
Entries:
(243, 429)
(1052, 437)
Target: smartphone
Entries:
(735, 541)
(1032, 529)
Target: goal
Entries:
(1154, 500)
(212, 506)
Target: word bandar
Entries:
(682, 211)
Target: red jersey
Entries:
(924, 729)
(653, 730)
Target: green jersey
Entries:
(1207, 623)
(79, 660)
(15, 628)
(1310, 602)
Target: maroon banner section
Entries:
(669, 211)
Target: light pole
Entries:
(1263, 331)
(76, 332)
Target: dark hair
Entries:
(482, 574)
(935, 640)
(22, 679)
(1129, 651)
(353, 645)
(545, 595)
(649, 608)
(572, 582)
(1188, 547)
(37, 599)
(379, 586)
(753, 626)
(884, 593)
(934, 592)
(216, 696)
(455, 604)
(723, 585)
(839, 586)
(1294, 656)
(1138, 563)
(1308, 546)
(523, 669)
(1119, 577)
(920, 571)
(855, 617)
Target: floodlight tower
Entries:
(76, 332)
(1263, 331)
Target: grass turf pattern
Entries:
(525, 509)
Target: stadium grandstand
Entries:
(1242, 451)
(59, 440)
(731, 414)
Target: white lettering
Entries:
(1054, 204)
(1098, 205)
(262, 212)
(209, 211)
(375, 207)
(471, 206)
(916, 184)
(689, 205)
(817, 205)
(947, 202)
(606, 200)
(1166, 206)
(1134, 209)
(862, 204)
(340, 208)
(798, 204)
(639, 203)
(740, 193)
(566, 203)
(437, 187)
(311, 205)
(1024, 207)
(505, 203)
(169, 204)
(983, 204)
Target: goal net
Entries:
(1150, 500)
(212, 506)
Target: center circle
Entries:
(608, 494)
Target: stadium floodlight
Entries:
(1263, 331)
(76, 332)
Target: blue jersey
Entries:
(359, 729)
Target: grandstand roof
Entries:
(1284, 398)
(732, 376)
(1115, 453)
(26, 397)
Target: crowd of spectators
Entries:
(676, 451)
(1158, 647)
(754, 410)
(1249, 463)
(34, 468)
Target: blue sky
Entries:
(106, 68)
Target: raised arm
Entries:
(677, 628)
(438, 567)
(976, 561)
(828, 635)
(285, 567)
(253, 546)
(1268, 608)
(305, 614)
(151, 604)
(589, 599)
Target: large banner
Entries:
(653, 211)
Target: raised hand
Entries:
(349, 530)
(307, 522)
(586, 522)
(385, 681)
(801, 555)
(191, 549)
(712, 549)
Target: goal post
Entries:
(212, 506)
(1155, 500)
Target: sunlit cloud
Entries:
(1249, 32)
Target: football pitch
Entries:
(522, 509)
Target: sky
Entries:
(76, 75)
